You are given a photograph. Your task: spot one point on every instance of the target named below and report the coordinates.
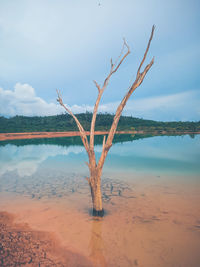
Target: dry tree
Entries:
(95, 168)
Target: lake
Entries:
(151, 196)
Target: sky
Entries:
(45, 45)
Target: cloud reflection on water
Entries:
(166, 152)
(26, 159)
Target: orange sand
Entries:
(157, 225)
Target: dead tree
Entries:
(95, 168)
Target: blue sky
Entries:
(50, 44)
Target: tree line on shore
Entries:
(65, 122)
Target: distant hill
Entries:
(65, 122)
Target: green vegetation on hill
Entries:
(65, 122)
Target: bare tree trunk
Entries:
(96, 196)
(95, 187)
(96, 169)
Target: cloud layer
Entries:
(23, 101)
(180, 106)
(67, 44)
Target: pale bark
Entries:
(96, 169)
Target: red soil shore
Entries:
(31, 135)
(20, 245)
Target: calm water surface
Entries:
(150, 192)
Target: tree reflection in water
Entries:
(96, 245)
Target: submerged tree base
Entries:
(98, 213)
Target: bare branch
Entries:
(113, 68)
(139, 79)
(80, 127)
(59, 99)
(97, 85)
(104, 141)
(128, 52)
(122, 51)
(111, 63)
(147, 49)
(92, 127)
(101, 90)
(125, 43)
(146, 69)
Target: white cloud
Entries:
(23, 101)
(180, 106)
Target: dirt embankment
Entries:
(22, 246)
(31, 135)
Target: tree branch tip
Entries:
(59, 94)
(125, 43)
(152, 61)
(111, 62)
(97, 85)
(124, 39)
(152, 31)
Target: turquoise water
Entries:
(34, 169)
(179, 155)
(150, 191)
(156, 155)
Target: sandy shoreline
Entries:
(22, 245)
(33, 135)
(147, 225)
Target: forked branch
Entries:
(128, 52)
(146, 51)
(114, 68)
(139, 79)
(97, 85)
(80, 127)
(116, 65)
